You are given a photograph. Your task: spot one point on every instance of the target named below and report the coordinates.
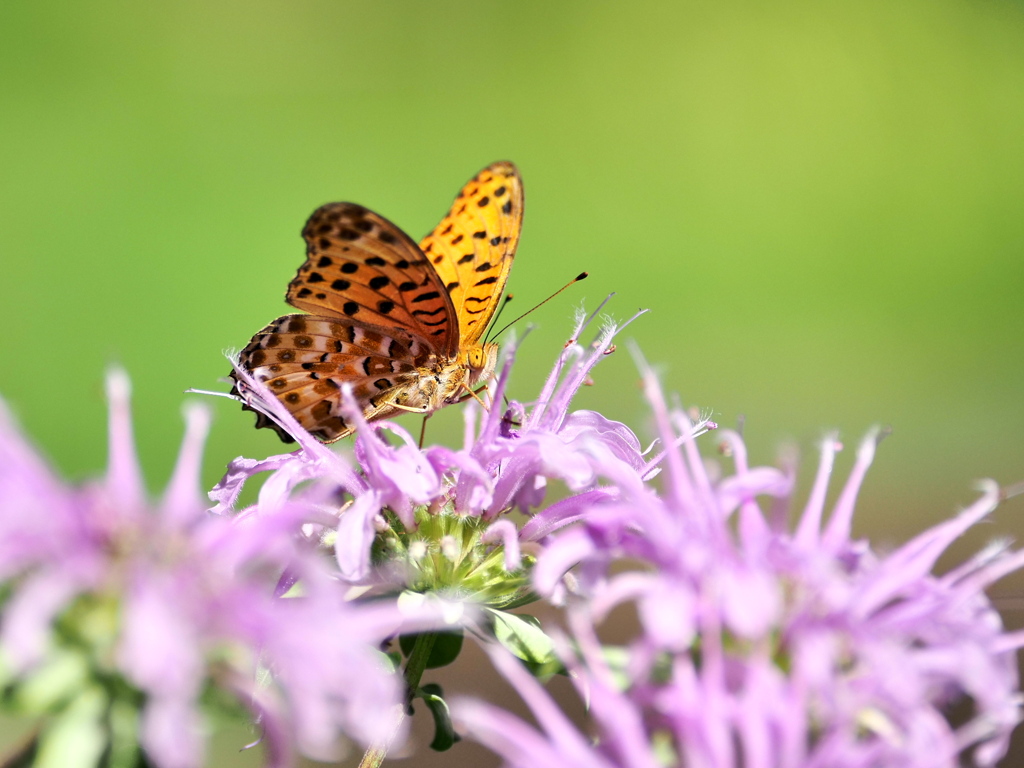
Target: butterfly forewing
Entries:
(361, 266)
(473, 246)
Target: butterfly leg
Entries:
(475, 395)
(423, 428)
(409, 408)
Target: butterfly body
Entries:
(400, 323)
(440, 382)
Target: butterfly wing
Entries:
(305, 359)
(383, 309)
(473, 246)
(361, 266)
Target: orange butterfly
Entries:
(400, 322)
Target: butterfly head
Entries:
(481, 361)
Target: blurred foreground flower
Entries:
(761, 644)
(127, 623)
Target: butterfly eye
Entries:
(476, 357)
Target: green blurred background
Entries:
(820, 203)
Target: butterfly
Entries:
(401, 323)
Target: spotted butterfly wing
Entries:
(393, 322)
(304, 359)
(380, 315)
(473, 247)
(360, 265)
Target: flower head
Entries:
(436, 519)
(764, 644)
(155, 607)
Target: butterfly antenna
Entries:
(508, 298)
(580, 276)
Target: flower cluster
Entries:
(113, 605)
(435, 520)
(764, 644)
(761, 642)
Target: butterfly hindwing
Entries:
(305, 359)
(473, 246)
(361, 266)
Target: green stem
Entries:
(414, 668)
(417, 663)
(23, 754)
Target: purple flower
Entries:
(434, 520)
(156, 606)
(763, 644)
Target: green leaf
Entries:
(77, 736)
(447, 646)
(523, 636)
(524, 598)
(61, 676)
(444, 732)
